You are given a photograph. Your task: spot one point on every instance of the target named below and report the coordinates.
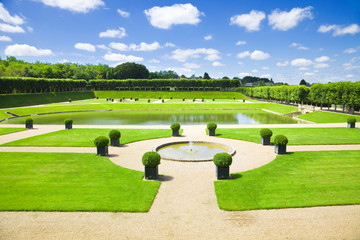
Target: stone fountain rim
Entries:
(231, 150)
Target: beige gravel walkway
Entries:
(185, 206)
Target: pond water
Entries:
(163, 117)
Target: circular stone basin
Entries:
(192, 151)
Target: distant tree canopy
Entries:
(206, 76)
(250, 79)
(164, 75)
(130, 70)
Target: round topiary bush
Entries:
(265, 132)
(280, 140)
(351, 120)
(211, 126)
(151, 159)
(101, 141)
(68, 121)
(29, 121)
(175, 126)
(222, 159)
(114, 134)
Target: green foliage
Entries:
(325, 117)
(175, 126)
(4, 131)
(211, 126)
(114, 134)
(222, 160)
(280, 140)
(130, 70)
(351, 120)
(266, 132)
(68, 121)
(206, 76)
(29, 121)
(151, 159)
(101, 141)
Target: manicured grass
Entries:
(71, 182)
(169, 94)
(4, 131)
(300, 179)
(85, 137)
(28, 99)
(326, 117)
(296, 136)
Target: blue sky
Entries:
(318, 41)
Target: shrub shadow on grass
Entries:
(235, 176)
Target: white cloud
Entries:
(11, 29)
(244, 74)
(238, 43)
(355, 59)
(265, 68)
(259, 55)
(254, 70)
(284, 21)
(208, 37)
(349, 66)
(321, 65)
(322, 59)
(144, 47)
(181, 71)
(154, 61)
(5, 39)
(81, 6)
(102, 46)
(22, 50)
(340, 30)
(308, 74)
(30, 29)
(349, 76)
(282, 64)
(266, 76)
(217, 64)
(165, 17)
(182, 55)
(85, 46)
(119, 46)
(6, 17)
(123, 13)
(304, 69)
(148, 47)
(351, 50)
(249, 21)
(191, 65)
(299, 46)
(243, 54)
(113, 33)
(301, 62)
(114, 57)
(240, 63)
(169, 44)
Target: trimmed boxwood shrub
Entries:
(151, 159)
(280, 140)
(114, 134)
(29, 121)
(222, 159)
(351, 120)
(101, 141)
(211, 126)
(68, 121)
(265, 133)
(175, 126)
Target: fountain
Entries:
(192, 151)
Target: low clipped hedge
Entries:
(351, 120)
(68, 121)
(280, 140)
(151, 159)
(101, 141)
(222, 160)
(266, 132)
(211, 126)
(29, 121)
(175, 126)
(114, 134)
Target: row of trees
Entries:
(320, 94)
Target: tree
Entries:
(225, 77)
(130, 70)
(206, 76)
(303, 82)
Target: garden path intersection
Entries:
(185, 206)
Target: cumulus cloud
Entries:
(349, 76)
(266, 76)
(85, 46)
(114, 57)
(244, 74)
(351, 50)
(301, 62)
(102, 46)
(350, 66)
(123, 13)
(24, 50)
(250, 21)
(217, 64)
(208, 53)
(11, 29)
(321, 65)
(308, 74)
(6, 17)
(282, 64)
(191, 65)
(5, 39)
(338, 30)
(144, 47)
(165, 17)
(208, 37)
(304, 69)
(283, 21)
(255, 55)
(298, 46)
(322, 59)
(238, 43)
(169, 44)
(181, 71)
(80, 6)
(154, 61)
(265, 68)
(113, 33)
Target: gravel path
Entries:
(185, 206)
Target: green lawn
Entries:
(71, 182)
(326, 117)
(300, 179)
(4, 131)
(85, 137)
(296, 136)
